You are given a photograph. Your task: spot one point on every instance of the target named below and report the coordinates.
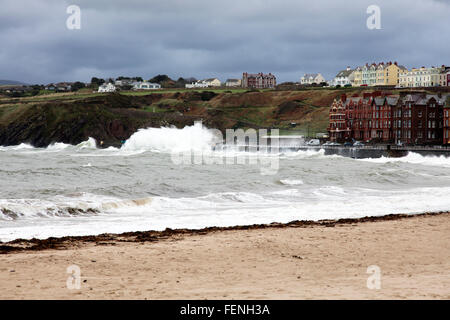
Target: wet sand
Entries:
(300, 260)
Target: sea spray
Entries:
(165, 139)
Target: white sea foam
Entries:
(165, 139)
(414, 158)
(71, 215)
(54, 147)
(291, 182)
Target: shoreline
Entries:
(301, 260)
(24, 245)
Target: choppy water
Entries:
(80, 190)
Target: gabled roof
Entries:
(311, 75)
(344, 73)
(392, 100)
(379, 101)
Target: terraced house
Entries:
(408, 118)
(343, 78)
(381, 74)
(446, 121)
(425, 77)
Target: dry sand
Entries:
(292, 262)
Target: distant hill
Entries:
(11, 82)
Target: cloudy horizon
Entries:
(203, 39)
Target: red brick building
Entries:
(446, 121)
(411, 118)
(258, 80)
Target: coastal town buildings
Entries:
(205, 83)
(343, 78)
(424, 77)
(124, 82)
(107, 87)
(381, 74)
(258, 80)
(408, 118)
(356, 77)
(233, 83)
(312, 78)
(146, 86)
(446, 121)
(59, 87)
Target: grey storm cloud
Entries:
(213, 38)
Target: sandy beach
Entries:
(327, 260)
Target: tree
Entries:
(96, 82)
(78, 85)
(160, 78)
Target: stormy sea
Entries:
(146, 184)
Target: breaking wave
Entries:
(101, 214)
(89, 144)
(84, 204)
(414, 158)
(196, 137)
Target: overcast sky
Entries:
(212, 38)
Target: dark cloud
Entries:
(215, 38)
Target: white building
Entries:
(107, 88)
(146, 86)
(343, 78)
(424, 77)
(206, 83)
(233, 83)
(312, 78)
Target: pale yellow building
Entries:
(356, 77)
(393, 73)
(382, 74)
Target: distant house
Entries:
(146, 86)
(124, 82)
(109, 87)
(233, 83)
(63, 86)
(258, 80)
(343, 78)
(59, 87)
(213, 82)
(16, 89)
(312, 78)
(206, 83)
